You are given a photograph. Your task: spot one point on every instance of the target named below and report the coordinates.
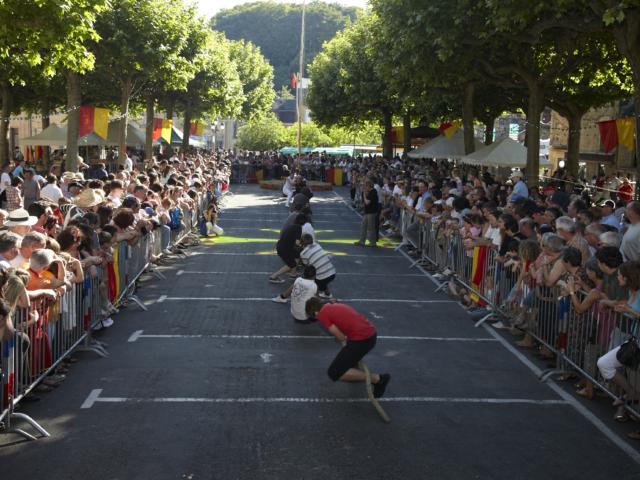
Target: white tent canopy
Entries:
(502, 153)
(443, 147)
(56, 135)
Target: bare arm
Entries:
(335, 331)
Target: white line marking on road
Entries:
(266, 357)
(272, 254)
(570, 400)
(340, 274)
(137, 335)
(254, 299)
(94, 397)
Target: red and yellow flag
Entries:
(162, 129)
(94, 120)
(197, 129)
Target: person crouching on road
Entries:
(300, 291)
(287, 248)
(313, 254)
(358, 336)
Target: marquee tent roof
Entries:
(443, 147)
(502, 153)
(56, 135)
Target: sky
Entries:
(211, 7)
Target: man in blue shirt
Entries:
(608, 215)
(520, 189)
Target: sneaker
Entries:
(107, 322)
(279, 299)
(359, 243)
(325, 295)
(499, 325)
(381, 386)
(276, 280)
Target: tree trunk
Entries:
(636, 103)
(46, 112)
(488, 131)
(534, 109)
(573, 143)
(4, 124)
(387, 145)
(125, 95)
(148, 140)
(406, 129)
(186, 127)
(467, 118)
(74, 100)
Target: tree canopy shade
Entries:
(40, 39)
(347, 85)
(141, 40)
(264, 134)
(256, 76)
(275, 29)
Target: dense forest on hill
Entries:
(275, 28)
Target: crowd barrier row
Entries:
(575, 340)
(48, 332)
(248, 173)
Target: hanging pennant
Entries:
(101, 122)
(451, 130)
(197, 129)
(162, 129)
(94, 120)
(608, 134)
(626, 128)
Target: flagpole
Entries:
(299, 84)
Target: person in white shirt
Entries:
(300, 291)
(51, 191)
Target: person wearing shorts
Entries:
(287, 248)
(356, 333)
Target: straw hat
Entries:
(20, 217)
(69, 176)
(89, 198)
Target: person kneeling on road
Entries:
(300, 291)
(313, 254)
(358, 336)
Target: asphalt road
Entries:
(215, 381)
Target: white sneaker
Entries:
(279, 299)
(324, 295)
(107, 322)
(499, 326)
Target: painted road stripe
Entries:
(138, 334)
(341, 274)
(94, 397)
(273, 254)
(164, 298)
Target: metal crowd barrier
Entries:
(574, 340)
(50, 331)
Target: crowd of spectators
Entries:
(58, 233)
(579, 241)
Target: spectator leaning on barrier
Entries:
(630, 247)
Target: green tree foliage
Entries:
(39, 39)
(141, 40)
(275, 29)
(263, 134)
(348, 86)
(311, 136)
(256, 76)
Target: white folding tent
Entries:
(502, 153)
(443, 147)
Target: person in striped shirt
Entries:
(313, 254)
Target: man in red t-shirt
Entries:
(358, 336)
